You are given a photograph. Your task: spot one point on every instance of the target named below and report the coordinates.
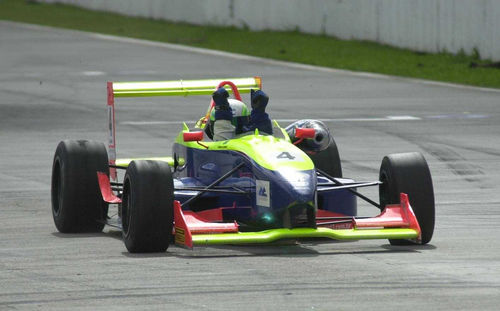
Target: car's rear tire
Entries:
(328, 160)
(147, 206)
(409, 173)
(77, 204)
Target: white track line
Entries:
(203, 51)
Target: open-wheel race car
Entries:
(254, 188)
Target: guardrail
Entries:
(422, 25)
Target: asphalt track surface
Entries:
(53, 87)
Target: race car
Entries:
(255, 188)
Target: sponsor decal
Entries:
(180, 237)
(337, 226)
(111, 140)
(263, 193)
(111, 154)
(297, 178)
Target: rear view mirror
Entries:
(304, 132)
(193, 136)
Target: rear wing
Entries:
(180, 87)
(168, 88)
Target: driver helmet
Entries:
(239, 110)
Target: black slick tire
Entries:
(147, 206)
(328, 160)
(409, 173)
(77, 204)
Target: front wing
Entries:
(395, 222)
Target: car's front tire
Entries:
(409, 173)
(147, 206)
(77, 204)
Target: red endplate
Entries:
(188, 223)
(105, 186)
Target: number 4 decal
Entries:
(285, 155)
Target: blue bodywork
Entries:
(272, 199)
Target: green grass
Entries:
(289, 46)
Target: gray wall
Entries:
(424, 25)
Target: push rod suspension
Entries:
(337, 182)
(207, 188)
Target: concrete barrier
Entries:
(423, 25)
